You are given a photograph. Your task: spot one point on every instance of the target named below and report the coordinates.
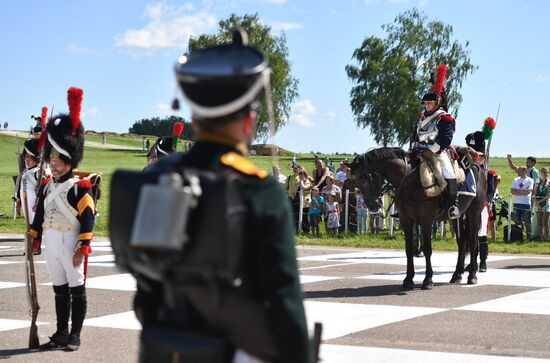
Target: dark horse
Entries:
(370, 171)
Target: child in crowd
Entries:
(333, 214)
(362, 211)
(315, 210)
(375, 217)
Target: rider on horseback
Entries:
(433, 134)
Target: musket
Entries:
(317, 332)
(486, 162)
(30, 276)
(41, 164)
(21, 168)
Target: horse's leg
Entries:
(410, 247)
(427, 284)
(458, 226)
(472, 230)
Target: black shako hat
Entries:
(65, 133)
(31, 148)
(476, 141)
(223, 80)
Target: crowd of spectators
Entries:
(530, 191)
(323, 199)
(324, 202)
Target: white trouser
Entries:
(446, 166)
(59, 258)
(31, 201)
(484, 220)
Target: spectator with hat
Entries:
(342, 174)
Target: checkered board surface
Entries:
(356, 294)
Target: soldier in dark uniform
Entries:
(64, 221)
(164, 145)
(222, 86)
(433, 134)
(476, 141)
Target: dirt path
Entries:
(23, 135)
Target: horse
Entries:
(372, 168)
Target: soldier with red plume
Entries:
(64, 221)
(433, 134)
(164, 145)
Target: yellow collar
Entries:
(210, 137)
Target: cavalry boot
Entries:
(452, 189)
(483, 253)
(62, 311)
(79, 305)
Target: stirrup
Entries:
(454, 212)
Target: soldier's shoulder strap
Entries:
(242, 164)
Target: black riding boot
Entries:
(483, 253)
(79, 305)
(452, 190)
(62, 311)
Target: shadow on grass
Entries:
(367, 291)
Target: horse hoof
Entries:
(427, 285)
(456, 279)
(472, 280)
(407, 285)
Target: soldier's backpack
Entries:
(186, 231)
(95, 179)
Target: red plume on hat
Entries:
(178, 128)
(44, 117)
(440, 73)
(488, 126)
(74, 98)
(176, 132)
(42, 138)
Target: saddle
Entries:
(431, 176)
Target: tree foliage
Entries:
(391, 75)
(284, 87)
(161, 127)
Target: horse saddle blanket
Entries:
(431, 177)
(469, 185)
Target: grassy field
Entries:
(106, 161)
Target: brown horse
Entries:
(375, 166)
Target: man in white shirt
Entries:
(277, 174)
(522, 188)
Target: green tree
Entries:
(284, 87)
(161, 127)
(391, 75)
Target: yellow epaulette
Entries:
(242, 164)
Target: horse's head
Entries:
(369, 181)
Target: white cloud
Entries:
(276, 2)
(92, 113)
(164, 109)
(168, 27)
(541, 78)
(75, 49)
(286, 26)
(302, 113)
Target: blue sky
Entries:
(122, 54)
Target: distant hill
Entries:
(268, 150)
